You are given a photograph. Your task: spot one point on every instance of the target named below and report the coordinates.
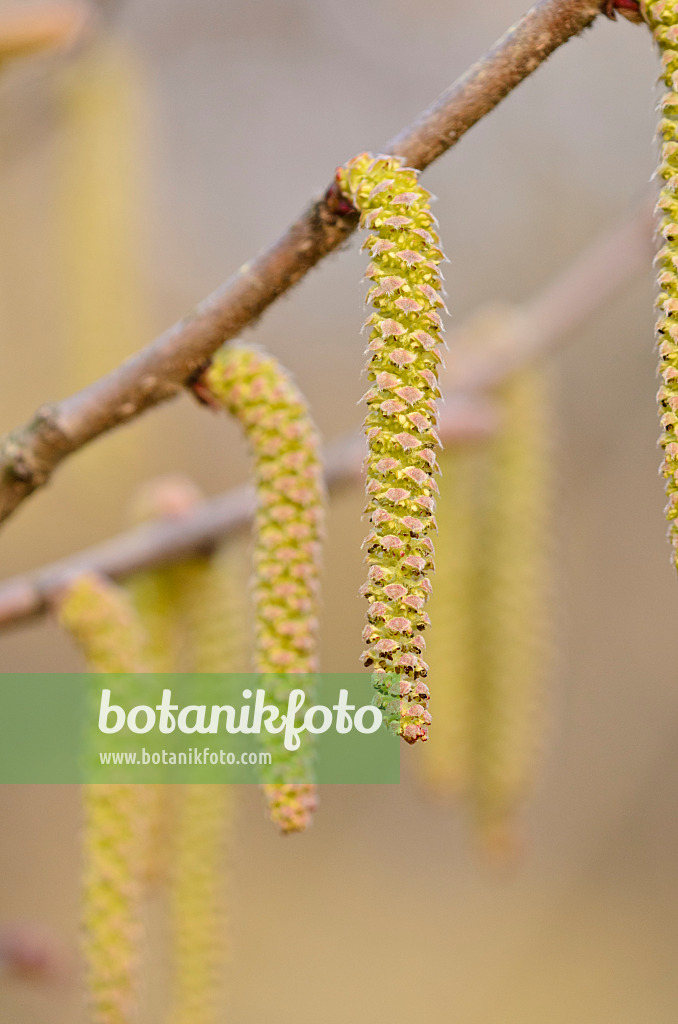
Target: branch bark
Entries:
(473, 372)
(29, 455)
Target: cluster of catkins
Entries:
(190, 617)
(141, 835)
(489, 601)
(403, 357)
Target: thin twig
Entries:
(469, 412)
(29, 455)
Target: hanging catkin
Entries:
(155, 593)
(452, 649)
(102, 622)
(402, 368)
(216, 608)
(662, 16)
(101, 206)
(198, 911)
(212, 592)
(511, 627)
(288, 531)
(195, 613)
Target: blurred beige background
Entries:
(384, 911)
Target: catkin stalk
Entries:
(403, 358)
(288, 531)
(102, 622)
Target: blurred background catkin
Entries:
(225, 118)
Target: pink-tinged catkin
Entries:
(403, 357)
(288, 531)
(102, 621)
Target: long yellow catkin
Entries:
(100, 216)
(288, 530)
(156, 597)
(512, 615)
(452, 648)
(662, 16)
(102, 622)
(216, 607)
(198, 906)
(202, 601)
(403, 358)
(158, 592)
(213, 601)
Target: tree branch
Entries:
(516, 337)
(29, 455)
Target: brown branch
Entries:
(30, 454)
(202, 529)
(518, 337)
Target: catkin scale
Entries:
(403, 358)
(102, 622)
(288, 530)
(662, 16)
